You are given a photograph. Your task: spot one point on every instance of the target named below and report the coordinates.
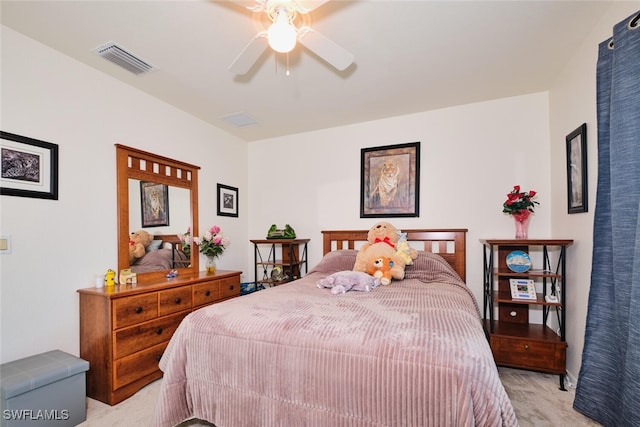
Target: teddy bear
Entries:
(344, 281)
(382, 240)
(380, 268)
(138, 242)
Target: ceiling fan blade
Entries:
(306, 6)
(326, 49)
(250, 54)
(250, 4)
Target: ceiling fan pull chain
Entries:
(288, 73)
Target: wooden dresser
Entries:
(125, 329)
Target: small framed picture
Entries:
(523, 289)
(29, 167)
(227, 200)
(577, 191)
(154, 199)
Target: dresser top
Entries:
(155, 284)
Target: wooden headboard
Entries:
(448, 243)
(170, 238)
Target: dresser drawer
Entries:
(229, 287)
(174, 300)
(519, 352)
(137, 365)
(206, 293)
(136, 309)
(135, 338)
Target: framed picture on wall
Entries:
(227, 200)
(154, 199)
(577, 191)
(29, 167)
(390, 181)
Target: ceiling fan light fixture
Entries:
(282, 34)
(290, 24)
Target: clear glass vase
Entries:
(211, 265)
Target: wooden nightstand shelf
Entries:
(515, 342)
(293, 253)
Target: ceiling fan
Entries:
(283, 34)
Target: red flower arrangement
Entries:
(519, 204)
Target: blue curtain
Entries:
(608, 387)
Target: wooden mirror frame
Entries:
(132, 163)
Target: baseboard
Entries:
(570, 380)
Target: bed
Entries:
(410, 354)
(164, 253)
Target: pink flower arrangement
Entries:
(212, 243)
(186, 241)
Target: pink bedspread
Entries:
(410, 354)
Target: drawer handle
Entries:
(158, 357)
(231, 287)
(207, 293)
(526, 347)
(178, 300)
(159, 331)
(138, 310)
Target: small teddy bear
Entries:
(344, 281)
(138, 242)
(380, 268)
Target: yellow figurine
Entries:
(110, 278)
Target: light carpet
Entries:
(536, 397)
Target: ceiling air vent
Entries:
(240, 120)
(119, 56)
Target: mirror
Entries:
(142, 179)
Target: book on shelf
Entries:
(523, 289)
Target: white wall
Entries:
(57, 246)
(573, 102)
(471, 157)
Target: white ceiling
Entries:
(410, 56)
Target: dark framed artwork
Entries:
(577, 191)
(154, 201)
(29, 167)
(227, 200)
(390, 181)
